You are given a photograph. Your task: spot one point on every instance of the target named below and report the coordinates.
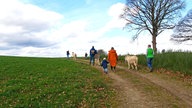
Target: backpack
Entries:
(92, 51)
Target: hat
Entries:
(104, 58)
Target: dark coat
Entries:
(93, 52)
(104, 63)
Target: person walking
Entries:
(68, 54)
(104, 65)
(112, 58)
(86, 55)
(150, 56)
(92, 55)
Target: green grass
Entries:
(174, 61)
(51, 82)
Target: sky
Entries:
(48, 28)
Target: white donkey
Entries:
(74, 55)
(132, 61)
(97, 59)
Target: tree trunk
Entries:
(154, 43)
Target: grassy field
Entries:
(52, 82)
(60, 82)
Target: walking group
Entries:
(112, 58)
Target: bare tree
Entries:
(183, 30)
(101, 52)
(151, 15)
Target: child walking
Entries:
(104, 65)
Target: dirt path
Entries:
(138, 89)
(176, 88)
(129, 96)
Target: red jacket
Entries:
(112, 57)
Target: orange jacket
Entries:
(112, 57)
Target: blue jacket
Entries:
(104, 63)
(93, 52)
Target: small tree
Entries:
(151, 15)
(101, 52)
(183, 30)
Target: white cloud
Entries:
(115, 11)
(19, 13)
(23, 25)
(26, 16)
(28, 30)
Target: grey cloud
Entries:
(21, 40)
(35, 26)
(8, 47)
(27, 36)
(72, 35)
(28, 25)
(32, 43)
(92, 41)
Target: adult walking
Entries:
(93, 51)
(150, 56)
(68, 54)
(86, 55)
(112, 58)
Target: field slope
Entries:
(52, 82)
